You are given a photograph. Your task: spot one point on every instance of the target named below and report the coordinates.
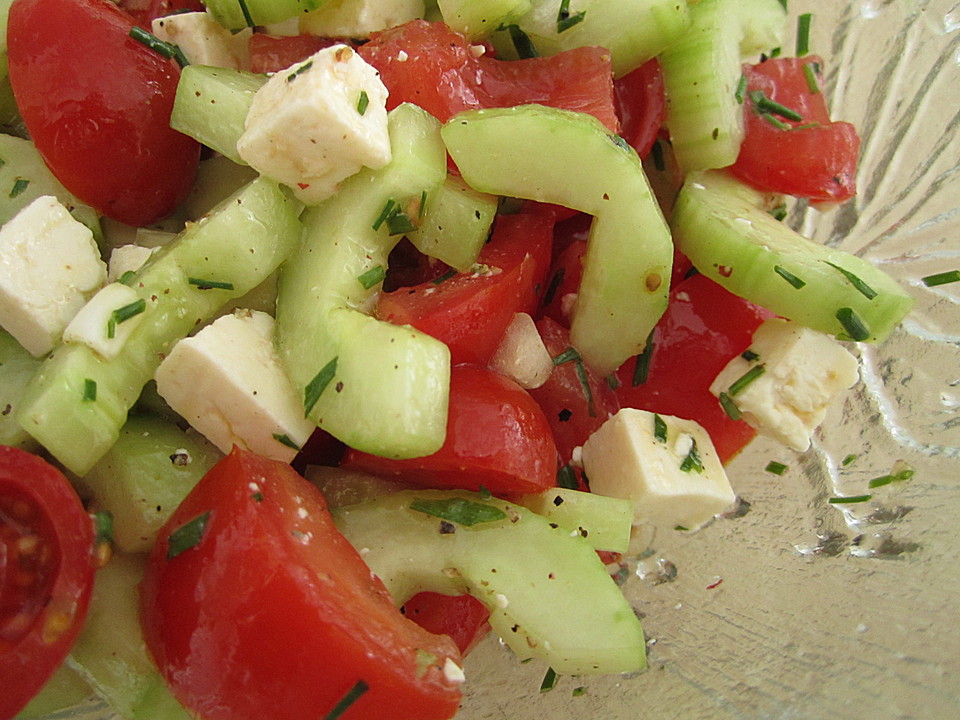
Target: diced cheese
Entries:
(127, 258)
(317, 123)
(107, 320)
(359, 18)
(49, 267)
(228, 383)
(203, 40)
(522, 355)
(676, 481)
(803, 371)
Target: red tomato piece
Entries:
(145, 11)
(97, 104)
(268, 612)
(704, 327)
(813, 157)
(470, 311)
(273, 53)
(497, 438)
(462, 617)
(641, 105)
(46, 573)
(573, 412)
(434, 67)
(563, 283)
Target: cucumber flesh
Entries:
(477, 19)
(379, 388)
(238, 14)
(720, 224)
(548, 593)
(764, 25)
(17, 366)
(570, 159)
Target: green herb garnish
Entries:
(521, 42)
(741, 92)
(749, 355)
(765, 105)
(458, 510)
(201, 284)
(864, 289)
(549, 681)
(848, 460)
(776, 468)
(950, 276)
(363, 102)
(347, 700)
(285, 440)
(810, 74)
(849, 499)
(19, 185)
(127, 277)
(161, 47)
(567, 478)
(299, 71)
(789, 276)
(443, 278)
(744, 380)
(641, 370)
(315, 387)
(122, 314)
(852, 324)
(247, 17)
(187, 535)
(89, 390)
(692, 461)
(659, 428)
(803, 34)
(373, 276)
(565, 20)
(729, 406)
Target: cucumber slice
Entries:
(604, 521)
(476, 19)
(221, 257)
(548, 593)
(378, 387)
(570, 159)
(764, 25)
(17, 366)
(720, 224)
(238, 14)
(211, 105)
(701, 72)
(62, 691)
(632, 30)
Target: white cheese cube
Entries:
(359, 18)
(521, 355)
(671, 472)
(107, 320)
(203, 40)
(317, 123)
(802, 372)
(127, 258)
(227, 382)
(49, 267)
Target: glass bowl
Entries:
(798, 608)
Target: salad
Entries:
(473, 256)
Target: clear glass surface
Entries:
(801, 609)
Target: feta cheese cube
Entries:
(317, 123)
(107, 320)
(666, 465)
(359, 18)
(49, 267)
(203, 40)
(521, 355)
(227, 382)
(798, 373)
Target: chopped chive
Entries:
(578, 691)
(680, 528)
(443, 278)
(522, 43)
(568, 355)
(567, 478)
(187, 535)
(765, 105)
(789, 276)
(779, 212)
(347, 700)
(161, 47)
(299, 71)
(776, 122)
(776, 468)
(749, 355)
(549, 681)
(848, 460)
(19, 185)
(363, 103)
(315, 387)
(641, 370)
(659, 428)
(127, 277)
(775, 53)
(122, 314)
(89, 390)
(103, 527)
(852, 325)
(285, 440)
(581, 371)
(813, 84)
(744, 380)
(868, 292)
(729, 407)
(565, 20)
(849, 499)
(202, 284)
(247, 17)
(741, 91)
(613, 382)
(423, 205)
(398, 222)
(803, 34)
(372, 277)
(384, 214)
(458, 510)
(692, 461)
(784, 3)
(950, 276)
(656, 152)
(892, 477)
(555, 282)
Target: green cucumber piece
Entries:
(17, 366)
(570, 159)
(605, 522)
(548, 593)
(378, 387)
(455, 224)
(239, 245)
(142, 479)
(701, 72)
(477, 19)
(632, 30)
(720, 224)
(764, 25)
(238, 14)
(211, 105)
(65, 688)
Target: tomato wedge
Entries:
(464, 618)
(46, 573)
(641, 105)
(97, 104)
(254, 606)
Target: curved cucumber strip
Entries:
(719, 223)
(378, 387)
(570, 159)
(700, 76)
(238, 14)
(222, 257)
(476, 19)
(548, 593)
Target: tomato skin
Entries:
(641, 105)
(434, 67)
(703, 328)
(497, 438)
(97, 104)
(817, 162)
(462, 617)
(273, 53)
(563, 282)
(49, 584)
(145, 11)
(470, 311)
(273, 614)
